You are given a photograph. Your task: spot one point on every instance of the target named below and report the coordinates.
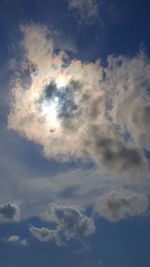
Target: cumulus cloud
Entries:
(70, 220)
(9, 212)
(77, 109)
(116, 205)
(70, 223)
(87, 9)
(16, 240)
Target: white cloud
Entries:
(81, 123)
(35, 43)
(127, 83)
(16, 240)
(21, 183)
(111, 104)
(42, 234)
(116, 205)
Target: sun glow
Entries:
(49, 110)
(62, 81)
(56, 99)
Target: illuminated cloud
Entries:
(42, 234)
(116, 205)
(16, 240)
(87, 9)
(9, 212)
(76, 109)
(35, 44)
(70, 223)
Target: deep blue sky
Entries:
(122, 28)
(122, 244)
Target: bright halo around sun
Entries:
(62, 80)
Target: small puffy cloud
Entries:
(9, 212)
(116, 205)
(42, 234)
(70, 223)
(87, 9)
(16, 240)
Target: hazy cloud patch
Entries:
(87, 9)
(117, 205)
(44, 234)
(16, 240)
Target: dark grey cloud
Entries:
(9, 212)
(116, 154)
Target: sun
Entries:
(56, 99)
(49, 111)
(51, 104)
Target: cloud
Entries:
(42, 234)
(63, 42)
(98, 111)
(117, 205)
(70, 220)
(129, 96)
(33, 34)
(16, 240)
(35, 184)
(9, 212)
(70, 223)
(87, 9)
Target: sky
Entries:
(74, 133)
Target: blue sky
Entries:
(74, 128)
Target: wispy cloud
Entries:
(87, 9)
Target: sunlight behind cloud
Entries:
(72, 99)
(49, 111)
(62, 80)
